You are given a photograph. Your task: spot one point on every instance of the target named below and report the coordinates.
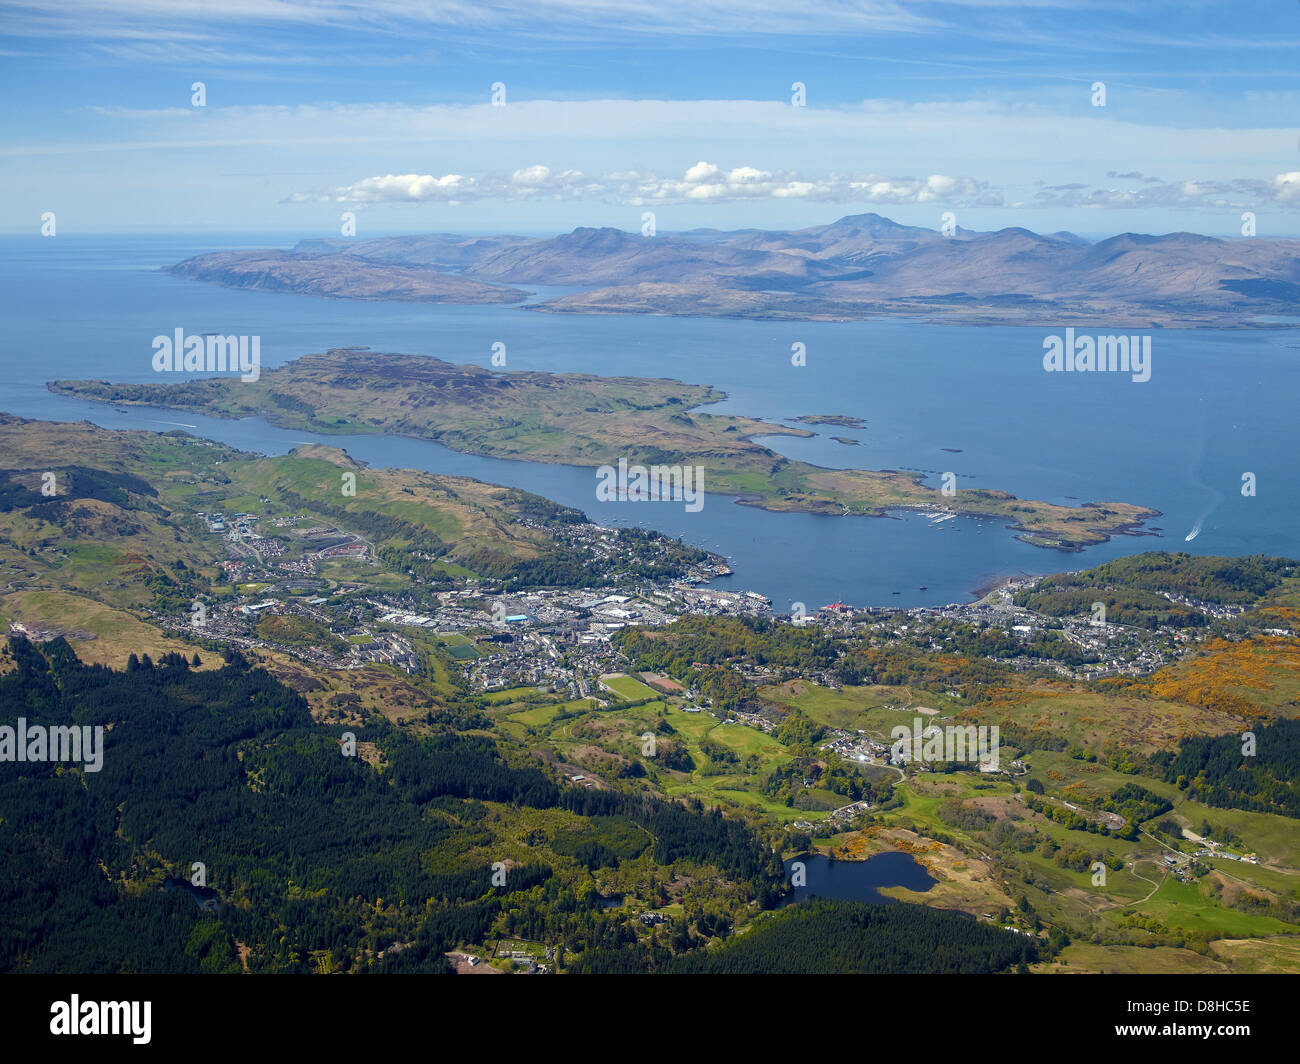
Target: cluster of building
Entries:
(239, 624)
(1215, 849)
(1122, 650)
(563, 639)
(856, 746)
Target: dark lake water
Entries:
(858, 880)
(204, 897)
(973, 401)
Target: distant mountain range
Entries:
(859, 267)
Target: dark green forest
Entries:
(1217, 772)
(300, 844)
(844, 938)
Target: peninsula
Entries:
(581, 419)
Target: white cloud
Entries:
(734, 160)
(702, 182)
(529, 182)
(706, 182)
(1286, 187)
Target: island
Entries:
(843, 421)
(582, 419)
(338, 278)
(857, 268)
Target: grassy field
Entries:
(515, 695)
(457, 646)
(628, 688)
(1139, 887)
(540, 716)
(100, 634)
(1261, 955)
(1130, 960)
(875, 709)
(1188, 907)
(1276, 839)
(603, 741)
(1085, 782)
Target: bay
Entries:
(971, 401)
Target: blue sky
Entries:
(615, 108)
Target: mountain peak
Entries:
(598, 238)
(870, 221)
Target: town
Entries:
(562, 640)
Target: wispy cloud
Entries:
(1283, 191)
(140, 18)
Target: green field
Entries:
(1187, 907)
(540, 716)
(536, 717)
(515, 694)
(875, 710)
(629, 688)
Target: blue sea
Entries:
(971, 401)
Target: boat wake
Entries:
(1200, 521)
(1196, 471)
